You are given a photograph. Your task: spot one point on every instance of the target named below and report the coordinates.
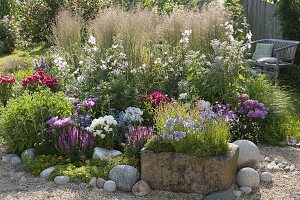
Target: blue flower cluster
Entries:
(83, 121)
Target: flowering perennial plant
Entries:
(131, 116)
(251, 115)
(137, 137)
(40, 65)
(67, 138)
(194, 131)
(156, 98)
(102, 126)
(39, 79)
(6, 84)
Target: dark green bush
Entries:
(22, 121)
(7, 36)
(289, 14)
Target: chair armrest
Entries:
(282, 48)
(256, 41)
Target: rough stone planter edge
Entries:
(180, 172)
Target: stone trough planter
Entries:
(179, 172)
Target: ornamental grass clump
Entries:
(6, 89)
(198, 131)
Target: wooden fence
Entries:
(261, 17)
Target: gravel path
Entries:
(19, 185)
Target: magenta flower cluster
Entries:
(55, 122)
(137, 136)
(72, 138)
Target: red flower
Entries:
(7, 79)
(156, 98)
(40, 78)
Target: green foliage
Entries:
(289, 14)
(236, 12)
(22, 121)
(158, 144)
(39, 163)
(7, 36)
(92, 168)
(196, 131)
(280, 104)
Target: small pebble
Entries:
(270, 167)
(237, 193)
(292, 168)
(273, 163)
(287, 168)
(267, 159)
(246, 190)
(280, 165)
(285, 176)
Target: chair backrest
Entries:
(286, 54)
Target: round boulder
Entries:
(100, 182)
(29, 153)
(248, 177)
(16, 160)
(141, 188)
(61, 180)
(249, 155)
(46, 172)
(110, 186)
(266, 177)
(125, 176)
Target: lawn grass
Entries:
(27, 55)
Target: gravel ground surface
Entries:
(20, 185)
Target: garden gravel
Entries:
(20, 185)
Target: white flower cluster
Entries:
(186, 37)
(183, 96)
(92, 43)
(60, 63)
(102, 125)
(133, 115)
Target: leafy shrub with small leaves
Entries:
(158, 144)
(22, 120)
(39, 163)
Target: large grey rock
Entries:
(46, 172)
(16, 160)
(249, 155)
(179, 172)
(248, 177)
(103, 154)
(125, 176)
(220, 195)
(141, 188)
(266, 177)
(7, 157)
(110, 186)
(30, 153)
(61, 180)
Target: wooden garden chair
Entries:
(282, 56)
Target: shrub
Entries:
(196, 131)
(92, 168)
(280, 105)
(22, 121)
(6, 85)
(288, 11)
(159, 144)
(7, 36)
(40, 162)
